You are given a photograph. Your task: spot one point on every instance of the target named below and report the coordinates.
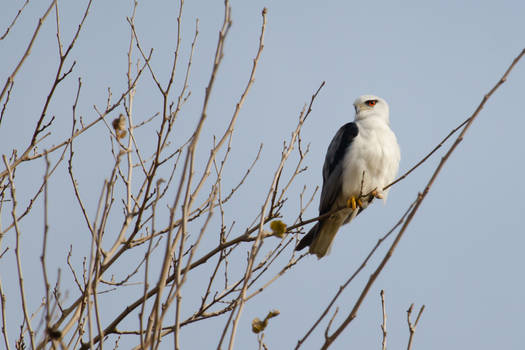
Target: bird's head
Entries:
(367, 106)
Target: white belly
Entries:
(371, 162)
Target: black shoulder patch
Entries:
(349, 132)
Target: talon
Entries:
(360, 203)
(376, 194)
(351, 203)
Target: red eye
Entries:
(371, 103)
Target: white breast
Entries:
(372, 159)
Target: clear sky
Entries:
(433, 61)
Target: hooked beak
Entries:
(361, 107)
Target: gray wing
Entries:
(333, 165)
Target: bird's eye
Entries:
(371, 103)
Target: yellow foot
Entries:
(377, 194)
(353, 203)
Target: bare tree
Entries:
(161, 210)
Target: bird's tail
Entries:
(322, 242)
(308, 238)
(320, 237)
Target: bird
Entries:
(362, 158)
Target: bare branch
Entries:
(41, 20)
(18, 252)
(383, 325)
(14, 20)
(4, 317)
(412, 326)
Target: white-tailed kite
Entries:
(361, 160)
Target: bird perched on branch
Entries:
(361, 160)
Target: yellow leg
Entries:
(353, 203)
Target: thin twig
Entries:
(4, 317)
(14, 20)
(44, 247)
(383, 325)
(41, 21)
(412, 326)
(18, 252)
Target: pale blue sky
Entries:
(462, 256)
